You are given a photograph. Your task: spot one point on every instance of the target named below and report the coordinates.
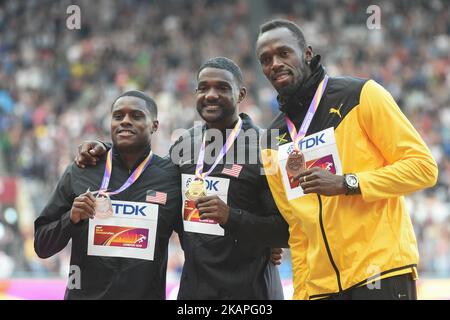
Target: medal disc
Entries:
(295, 163)
(103, 207)
(196, 189)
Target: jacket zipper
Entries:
(338, 276)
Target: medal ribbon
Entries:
(134, 176)
(298, 136)
(199, 174)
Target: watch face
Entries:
(352, 181)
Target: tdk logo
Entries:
(310, 142)
(210, 185)
(128, 209)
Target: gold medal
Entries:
(103, 207)
(295, 163)
(196, 189)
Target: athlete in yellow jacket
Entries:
(351, 235)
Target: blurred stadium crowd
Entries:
(57, 85)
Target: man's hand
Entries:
(89, 152)
(321, 181)
(213, 208)
(83, 208)
(276, 256)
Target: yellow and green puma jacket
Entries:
(342, 242)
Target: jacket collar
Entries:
(116, 156)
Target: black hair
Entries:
(224, 64)
(282, 23)
(149, 102)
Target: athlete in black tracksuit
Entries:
(234, 266)
(111, 277)
(66, 216)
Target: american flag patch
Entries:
(156, 197)
(232, 170)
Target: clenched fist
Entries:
(83, 207)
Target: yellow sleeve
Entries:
(409, 163)
(297, 240)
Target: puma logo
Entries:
(337, 111)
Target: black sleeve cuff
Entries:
(234, 220)
(69, 226)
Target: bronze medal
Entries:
(196, 189)
(295, 163)
(103, 207)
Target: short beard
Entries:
(225, 113)
(292, 88)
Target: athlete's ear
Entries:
(242, 94)
(308, 54)
(155, 126)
